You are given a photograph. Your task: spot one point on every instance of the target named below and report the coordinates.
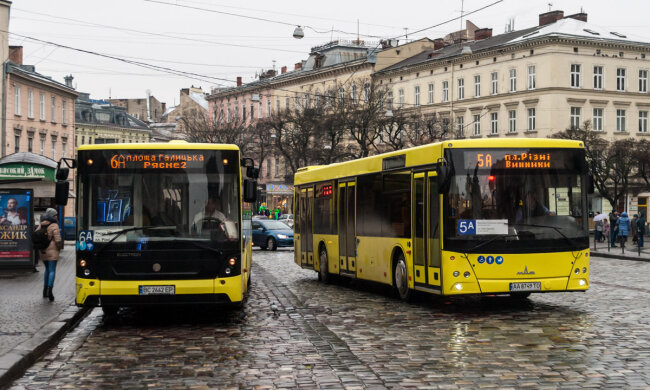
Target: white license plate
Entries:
(526, 286)
(157, 290)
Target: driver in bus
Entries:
(212, 219)
(531, 208)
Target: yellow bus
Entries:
(163, 223)
(501, 216)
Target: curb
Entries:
(619, 257)
(17, 361)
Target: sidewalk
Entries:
(29, 323)
(631, 250)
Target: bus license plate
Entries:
(157, 290)
(526, 286)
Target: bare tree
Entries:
(426, 128)
(364, 114)
(642, 157)
(200, 128)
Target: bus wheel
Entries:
(270, 243)
(323, 273)
(401, 278)
(110, 311)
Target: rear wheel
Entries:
(270, 243)
(401, 279)
(323, 273)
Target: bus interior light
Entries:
(89, 161)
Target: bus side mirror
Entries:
(252, 172)
(61, 193)
(444, 178)
(250, 191)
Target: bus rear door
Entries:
(306, 227)
(347, 233)
(426, 232)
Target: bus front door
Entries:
(347, 233)
(306, 232)
(426, 233)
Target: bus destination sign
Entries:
(157, 160)
(510, 160)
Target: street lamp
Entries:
(298, 33)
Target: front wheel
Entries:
(270, 243)
(401, 279)
(323, 273)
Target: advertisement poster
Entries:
(16, 220)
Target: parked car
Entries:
(287, 218)
(70, 228)
(271, 234)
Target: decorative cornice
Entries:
(494, 106)
(511, 104)
(621, 103)
(576, 101)
(598, 102)
(529, 102)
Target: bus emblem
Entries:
(526, 272)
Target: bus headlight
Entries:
(458, 286)
(582, 282)
(228, 271)
(456, 273)
(86, 272)
(466, 274)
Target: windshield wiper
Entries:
(482, 244)
(557, 229)
(131, 229)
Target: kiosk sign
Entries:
(16, 220)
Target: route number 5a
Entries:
(466, 227)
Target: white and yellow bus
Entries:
(162, 223)
(502, 216)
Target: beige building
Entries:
(192, 105)
(149, 109)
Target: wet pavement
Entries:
(295, 332)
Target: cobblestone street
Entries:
(295, 332)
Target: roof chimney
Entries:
(579, 16)
(298, 66)
(239, 81)
(68, 80)
(438, 43)
(550, 17)
(482, 33)
(16, 54)
(283, 69)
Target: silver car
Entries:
(287, 219)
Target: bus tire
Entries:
(323, 273)
(270, 243)
(400, 276)
(110, 310)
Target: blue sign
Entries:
(499, 260)
(490, 259)
(85, 240)
(466, 227)
(481, 259)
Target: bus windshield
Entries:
(513, 201)
(199, 202)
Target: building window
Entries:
(575, 117)
(53, 119)
(268, 168)
(42, 104)
(598, 119)
(341, 95)
(16, 143)
(512, 121)
(277, 166)
(54, 149)
(477, 86)
(228, 115)
(461, 89)
(287, 104)
(64, 144)
(42, 145)
(531, 119)
(243, 113)
(389, 100)
(401, 98)
(277, 105)
(430, 93)
(598, 77)
(366, 92)
(531, 77)
(354, 95)
(513, 80)
(575, 76)
(620, 79)
(643, 81)
(460, 123)
(30, 103)
(494, 119)
(30, 143)
(417, 95)
(17, 101)
(620, 120)
(445, 91)
(495, 83)
(477, 125)
(63, 113)
(268, 107)
(643, 121)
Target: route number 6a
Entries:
(85, 235)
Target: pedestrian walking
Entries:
(640, 228)
(605, 230)
(613, 218)
(50, 255)
(623, 224)
(633, 226)
(598, 235)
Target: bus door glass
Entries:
(433, 233)
(308, 233)
(419, 223)
(347, 236)
(305, 229)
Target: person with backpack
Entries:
(47, 240)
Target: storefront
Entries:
(280, 196)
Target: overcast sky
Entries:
(218, 47)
